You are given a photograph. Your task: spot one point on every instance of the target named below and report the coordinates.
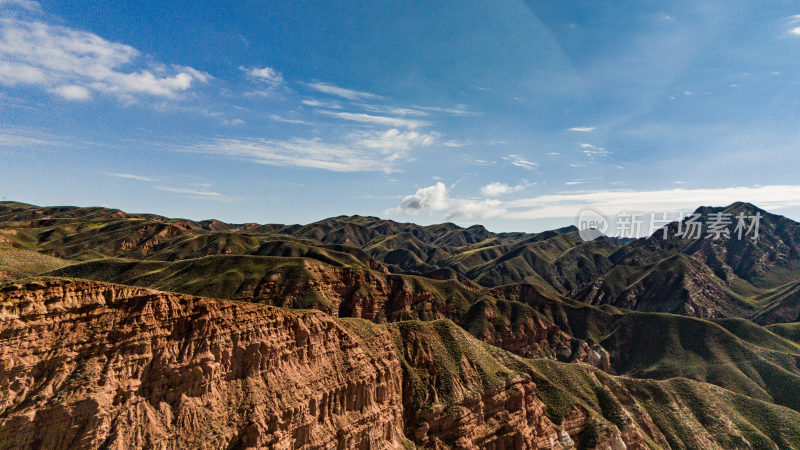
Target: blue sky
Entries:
(510, 114)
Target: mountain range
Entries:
(127, 329)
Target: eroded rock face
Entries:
(87, 364)
(458, 409)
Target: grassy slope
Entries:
(735, 354)
(25, 263)
(684, 413)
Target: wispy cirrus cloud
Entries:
(195, 193)
(582, 129)
(394, 139)
(520, 161)
(794, 21)
(593, 150)
(377, 120)
(349, 94)
(76, 64)
(360, 151)
(297, 152)
(130, 176)
(314, 103)
(14, 139)
(278, 118)
(198, 191)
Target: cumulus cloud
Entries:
(437, 198)
(73, 63)
(431, 198)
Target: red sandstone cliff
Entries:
(85, 364)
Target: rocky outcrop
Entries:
(86, 364)
(458, 397)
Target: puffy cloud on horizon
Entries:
(437, 198)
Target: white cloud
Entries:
(612, 202)
(349, 94)
(194, 193)
(394, 110)
(73, 63)
(475, 209)
(459, 110)
(497, 189)
(318, 104)
(23, 140)
(377, 120)
(71, 92)
(278, 118)
(306, 153)
(266, 74)
(520, 161)
(393, 139)
(233, 122)
(28, 5)
(436, 198)
(592, 151)
(431, 198)
(795, 19)
(582, 129)
(454, 144)
(130, 176)
(573, 183)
